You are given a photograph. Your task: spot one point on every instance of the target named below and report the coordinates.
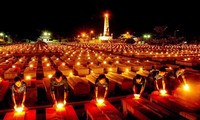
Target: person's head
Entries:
(18, 81)
(138, 78)
(181, 68)
(58, 76)
(102, 78)
(162, 71)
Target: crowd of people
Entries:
(157, 80)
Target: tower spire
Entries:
(106, 25)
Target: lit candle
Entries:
(136, 96)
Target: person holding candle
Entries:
(101, 87)
(176, 77)
(139, 83)
(18, 89)
(59, 88)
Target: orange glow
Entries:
(60, 107)
(186, 87)
(106, 14)
(13, 66)
(78, 63)
(91, 31)
(127, 70)
(71, 74)
(100, 102)
(136, 96)
(83, 34)
(163, 92)
(28, 77)
(31, 65)
(19, 109)
(63, 64)
(92, 71)
(48, 64)
(49, 76)
(141, 69)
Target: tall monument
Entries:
(106, 25)
(106, 32)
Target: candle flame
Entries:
(163, 92)
(136, 96)
(186, 87)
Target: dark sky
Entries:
(67, 18)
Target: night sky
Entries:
(69, 18)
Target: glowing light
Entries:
(78, 63)
(141, 69)
(13, 66)
(63, 64)
(136, 96)
(60, 105)
(163, 92)
(48, 64)
(104, 62)
(100, 102)
(70, 74)
(110, 69)
(117, 62)
(19, 109)
(49, 76)
(128, 61)
(127, 70)
(28, 77)
(106, 15)
(31, 65)
(186, 87)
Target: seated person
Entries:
(18, 92)
(101, 87)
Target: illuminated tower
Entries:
(106, 33)
(106, 25)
